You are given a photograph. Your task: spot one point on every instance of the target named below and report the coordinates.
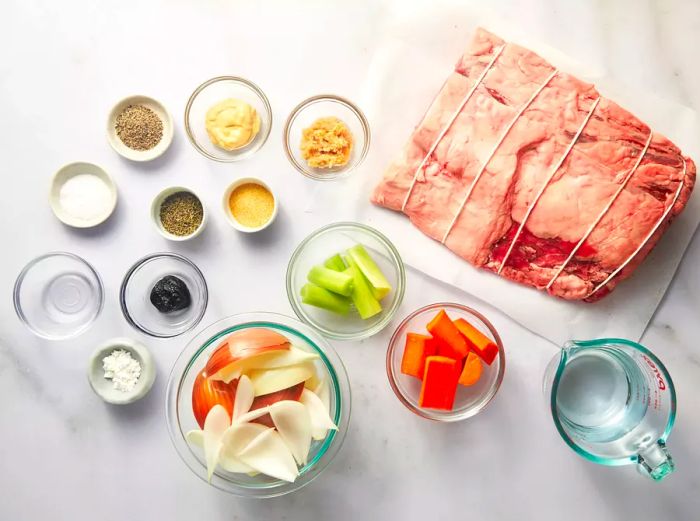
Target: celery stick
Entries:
(377, 281)
(365, 303)
(335, 263)
(335, 281)
(319, 297)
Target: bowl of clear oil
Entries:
(614, 403)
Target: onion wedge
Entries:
(323, 393)
(266, 360)
(235, 439)
(253, 415)
(320, 419)
(244, 397)
(266, 381)
(293, 423)
(269, 455)
(196, 438)
(244, 344)
(206, 393)
(215, 425)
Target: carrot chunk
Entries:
(432, 346)
(471, 371)
(477, 341)
(452, 343)
(414, 354)
(439, 383)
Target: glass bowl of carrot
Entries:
(445, 362)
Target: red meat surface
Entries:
(606, 150)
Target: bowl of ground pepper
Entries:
(249, 205)
(139, 128)
(178, 213)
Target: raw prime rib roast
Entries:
(524, 170)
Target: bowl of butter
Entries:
(228, 118)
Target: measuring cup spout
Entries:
(655, 461)
(572, 346)
(569, 345)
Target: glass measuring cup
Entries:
(614, 403)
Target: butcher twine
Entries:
(450, 122)
(556, 168)
(649, 236)
(605, 210)
(493, 151)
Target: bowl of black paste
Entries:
(164, 295)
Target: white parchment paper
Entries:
(408, 68)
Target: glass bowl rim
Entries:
(18, 286)
(400, 289)
(336, 370)
(336, 99)
(138, 264)
(258, 92)
(431, 414)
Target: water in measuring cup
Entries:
(601, 396)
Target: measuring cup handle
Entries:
(655, 461)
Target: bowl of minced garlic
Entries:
(249, 205)
(326, 143)
(326, 137)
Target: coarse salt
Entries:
(85, 196)
(122, 369)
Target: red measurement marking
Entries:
(659, 377)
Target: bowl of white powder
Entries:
(82, 195)
(121, 371)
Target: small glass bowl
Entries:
(326, 242)
(212, 92)
(58, 295)
(193, 359)
(325, 105)
(470, 400)
(135, 293)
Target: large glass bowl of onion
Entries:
(210, 374)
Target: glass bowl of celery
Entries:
(346, 280)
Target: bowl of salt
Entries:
(82, 195)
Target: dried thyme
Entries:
(181, 213)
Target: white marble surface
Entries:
(66, 455)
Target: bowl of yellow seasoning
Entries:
(228, 118)
(249, 205)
